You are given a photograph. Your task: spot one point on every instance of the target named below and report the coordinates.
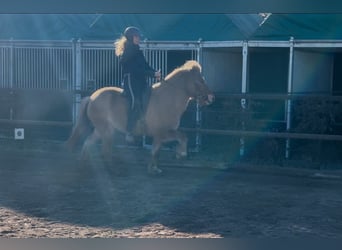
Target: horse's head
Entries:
(197, 86)
(204, 95)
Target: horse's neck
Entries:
(179, 99)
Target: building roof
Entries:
(300, 27)
(160, 27)
(172, 27)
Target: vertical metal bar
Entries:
(97, 73)
(41, 65)
(11, 64)
(116, 72)
(26, 65)
(36, 56)
(47, 55)
(23, 66)
(89, 58)
(66, 66)
(38, 64)
(105, 66)
(33, 59)
(243, 91)
(100, 77)
(165, 63)
(71, 72)
(16, 66)
(78, 65)
(78, 76)
(43, 60)
(52, 68)
(198, 139)
(288, 102)
(55, 69)
(11, 74)
(29, 63)
(46, 58)
(2, 66)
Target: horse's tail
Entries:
(82, 128)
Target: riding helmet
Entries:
(130, 32)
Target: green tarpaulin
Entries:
(163, 27)
(300, 27)
(171, 27)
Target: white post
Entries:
(78, 76)
(198, 141)
(288, 102)
(11, 64)
(244, 91)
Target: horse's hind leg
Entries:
(107, 146)
(89, 142)
(181, 149)
(153, 166)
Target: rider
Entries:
(135, 72)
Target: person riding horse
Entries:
(135, 72)
(98, 121)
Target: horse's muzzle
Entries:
(206, 99)
(211, 99)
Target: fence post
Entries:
(244, 91)
(11, 75)
(198, 142)
(11, 64)
(78, 76)
(289, 101)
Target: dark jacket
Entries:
(134, 63)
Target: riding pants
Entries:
(137, 91)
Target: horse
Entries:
(104, 113)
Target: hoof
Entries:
(129, 138)
(154, 170)
(181, 155)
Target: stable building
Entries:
(258, 66)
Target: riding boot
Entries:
(145, 101)
(129, 137)
(131, 122)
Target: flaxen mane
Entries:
(188, 66)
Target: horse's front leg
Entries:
(153, 165)
(182, 139)
(182, 146)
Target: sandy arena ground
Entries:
(49, 194)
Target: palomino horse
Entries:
(105, 112)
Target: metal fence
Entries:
(97, 66)
(76, 67)
(36, 65)
(5, 67)
(71, 65)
